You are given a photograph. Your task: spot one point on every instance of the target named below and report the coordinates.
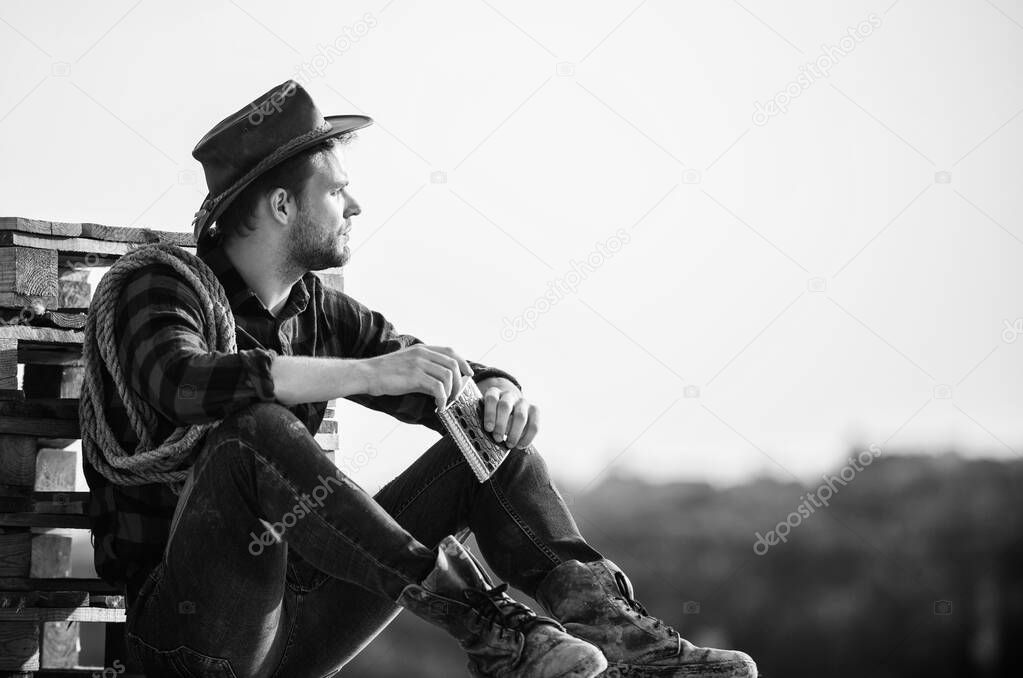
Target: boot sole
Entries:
(720, 670)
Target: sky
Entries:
(713, 241)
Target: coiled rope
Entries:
(148, 463)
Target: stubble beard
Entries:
(314, 248)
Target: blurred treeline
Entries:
(915, 569)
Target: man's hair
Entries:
(292, 175)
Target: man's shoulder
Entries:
(155, 281)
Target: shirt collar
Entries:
(241, 297)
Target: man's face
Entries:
(319, 237)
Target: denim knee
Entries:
(524, 462)
(257, 424)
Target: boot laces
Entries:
(638, 608)
(496, 608)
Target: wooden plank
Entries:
(19, 645)
(17, 456)
(139, 235)
(91, 230)
(32, 426)
(17, 600)
(55, 354)
(73, 245)
(81, 672)
(48, 408)
(40, 227)
(71, 319)
(20, 501)
(66, 614)
(45, 520)
(29, 272)
(59, 497)
(78, 508)
(65, 320)
(44, 335)
(31, 304)
(8, 362)
(91, 584)
(15, 559)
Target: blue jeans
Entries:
(280, 565)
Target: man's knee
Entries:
(259, 423)
(520, 461)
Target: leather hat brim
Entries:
(339, 124)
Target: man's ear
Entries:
(282, 206)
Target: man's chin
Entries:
(334, 260)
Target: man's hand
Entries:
(434, 370)
(507, 416)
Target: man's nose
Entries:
(352, 208)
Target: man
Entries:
(244, 574)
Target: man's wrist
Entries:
(354, 376)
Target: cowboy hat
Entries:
(274, 127)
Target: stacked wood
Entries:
(47, 276)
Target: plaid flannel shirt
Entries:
(161, 347)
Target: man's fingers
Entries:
(490, 399)
(504, 408)
(438, 374)
(447, 359)
(532, 426)
(463, 364)
(436, 388)
(519, 415)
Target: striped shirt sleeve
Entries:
(159, 329)
(365, 333)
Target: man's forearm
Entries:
(305, 379)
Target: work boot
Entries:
(594, 602)
(504, 638)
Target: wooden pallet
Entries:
(44, 298)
